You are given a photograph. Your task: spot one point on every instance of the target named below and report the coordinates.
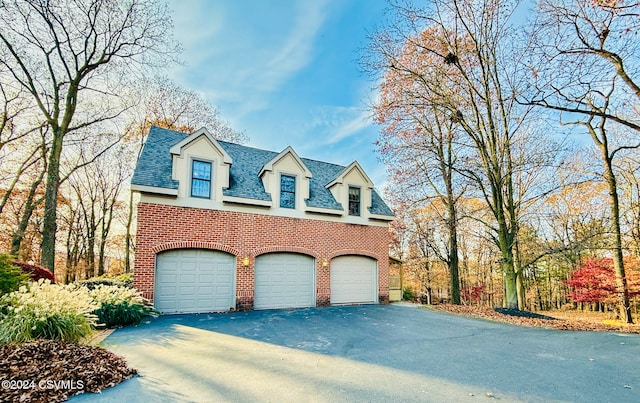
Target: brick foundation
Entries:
(164, 227)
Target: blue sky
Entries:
(286, 72)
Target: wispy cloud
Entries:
(339, 123)
(244, 58)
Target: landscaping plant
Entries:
(11, 277)
(34, 271)
(43, 310)
(123, 280)
(119, 306)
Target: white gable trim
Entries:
(268, 167)
(177, 149)
(340, 178)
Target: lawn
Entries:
(562, 320)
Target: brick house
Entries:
(223, 226)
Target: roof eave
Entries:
(154, 190)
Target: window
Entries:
(287, 191)
(354, 200)
(201, 179)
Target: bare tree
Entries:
(164, 104)
(585, 62)
(65, 54)
(462, 58)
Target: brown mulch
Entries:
(524, 318)
(53, 371)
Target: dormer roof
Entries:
(289, 151)
(176, 149)
(246, 164)
(339, 179)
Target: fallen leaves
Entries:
(525, 318)
(53, 371)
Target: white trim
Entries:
(381, 217)
(360, 203)
(296, 190)
(154, 189)
(340, 178)
(244, 200)
(212, 180)
(177, 149)
(289, 150)
(322, 210)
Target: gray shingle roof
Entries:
(154, 169)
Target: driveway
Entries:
(375, 353)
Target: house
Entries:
(223, 226)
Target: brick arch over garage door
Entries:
(194, 245)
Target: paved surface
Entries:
(368, 353)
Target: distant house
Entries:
(222, 226)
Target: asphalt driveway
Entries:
(384, 353)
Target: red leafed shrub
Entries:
(595, 281)
(36, 272)
(474, 294)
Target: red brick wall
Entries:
(162, 227)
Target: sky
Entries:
(286, 72)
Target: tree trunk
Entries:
(29, 206)
(618, 262)
(127, 238)
(519, 280)
(454, 275)
(51, 202)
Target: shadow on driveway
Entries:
(368, 353)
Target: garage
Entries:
(354, 280)
(284, 280)
(194, 281)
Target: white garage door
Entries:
(194, 280)
(354, 280)
(284, 280)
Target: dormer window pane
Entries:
(287, 191)
(201, 179)
(354, 200)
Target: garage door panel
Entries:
(193, 280)
(284, 280)
(354, 280)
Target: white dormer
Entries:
(201, 166)
(286, 178)
(352, 188)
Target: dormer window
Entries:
(354, 201)
(287, 191)
(201, 179)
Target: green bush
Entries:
(123, 280)
(46, 311)
(408, 294)
(119, 306)
(11, 277)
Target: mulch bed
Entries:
(531, 319)
(53, 371)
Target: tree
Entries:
(70, 55)
(460, 54)
(420, 139)
(585, 63)
(595, 282)
(165, 104)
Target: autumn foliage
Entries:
(594, 281)
(36, 272)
